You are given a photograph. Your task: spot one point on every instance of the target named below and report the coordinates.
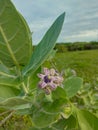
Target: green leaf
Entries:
(87, 121)
(55, 107)
(15, 103)
(15, 39)
(65, 124)
(4, 69)
(7, 78)
(9, 81)
(44, 48)
(72, 85)
(42, 119)
(24, 111)
(7, 92)
(59, 93)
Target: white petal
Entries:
(52, 72)
(46, 71)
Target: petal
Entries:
(53, 78)
(52, 86)
(41, 76)
(52, 72)
(58, 79)
(46, 71)
(42, 84)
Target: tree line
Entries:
(76, 46)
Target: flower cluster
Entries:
(50, 80)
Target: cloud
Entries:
(81, 22)
(83, 35)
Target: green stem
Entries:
(23, 85)
(53, 64)
(24, 88)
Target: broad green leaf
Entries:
(9, 81)
(42, 119)
(15, 103)
(24, 111)
(59, 93)
(72, 86)
(7, 78)
(55, 107)
(15, 39)
(87, 121)
(45, 112)
(44, 48)
(40, 97)
(65, 124)
(4, 69)
(7, 91)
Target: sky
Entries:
(81, 20)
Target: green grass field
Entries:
(85, 63)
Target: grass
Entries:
(85, 63)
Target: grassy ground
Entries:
(85, 63)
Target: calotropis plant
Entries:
(22, 82)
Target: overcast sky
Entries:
(81, 21)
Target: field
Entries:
(85, 63)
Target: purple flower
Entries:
(50, 80)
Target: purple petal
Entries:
(41, 76)
(46, 71)
(58, 79)
(52, 86)
(42, 84)
(53, 78)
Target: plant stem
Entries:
(53, 64)
(23, 85)
(24, 88)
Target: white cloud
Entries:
(81, 21)
(87, 34)
(39, 25)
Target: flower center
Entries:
(47, 79)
